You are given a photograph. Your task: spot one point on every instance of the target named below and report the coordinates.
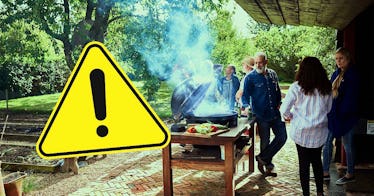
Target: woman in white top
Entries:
(306, 106)
(248, 63)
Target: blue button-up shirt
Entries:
(265, 94)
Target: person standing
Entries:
(248, 65)
(306, 106)
(230, 85)
(261, 86)
(343, 116)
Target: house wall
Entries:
(358, 37)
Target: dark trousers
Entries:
(309, 156)
(269, 149)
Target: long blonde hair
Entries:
(338, 80)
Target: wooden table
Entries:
(227, 166)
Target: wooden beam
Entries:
(331, 13)
(198, 164)
(281, 12)
(263, 11)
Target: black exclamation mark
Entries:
(98, 94)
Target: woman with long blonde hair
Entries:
(343, 116)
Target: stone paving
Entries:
(142, 175)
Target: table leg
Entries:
(167, 170)
(229, 169)
(251, 154)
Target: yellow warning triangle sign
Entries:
(100, 111)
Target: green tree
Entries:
(148, 40)
(319, 42)
(74, 22)
(229, 48)
(285, 46)
(30, 62)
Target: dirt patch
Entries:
(22, 154)
(24, 117)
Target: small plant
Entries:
(29, 184)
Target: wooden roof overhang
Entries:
(328, 13)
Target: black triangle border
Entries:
(104, 149)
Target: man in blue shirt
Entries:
(262, 87)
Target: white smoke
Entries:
(183, 52)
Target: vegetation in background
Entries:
(41, 40)
(44, 104)
(73, 23)
(229, 47)
(151, 48)
(285, 46)
(31, 62)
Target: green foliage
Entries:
(29, 184)
(319, 42)
(285, 46)
(229, 48)
(147, 38)
(41, 40)
(74, 23)
(31, 63)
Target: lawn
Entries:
(44, 104)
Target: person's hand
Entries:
(283, 95)
(237, 98)
(288, 118)
(238, 95)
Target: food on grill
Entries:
(205, 128)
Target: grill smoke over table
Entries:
(182, 59)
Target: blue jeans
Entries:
(347, 140)
(269, 149)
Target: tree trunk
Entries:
(68, 51)
(100, 25)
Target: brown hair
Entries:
(311, 75)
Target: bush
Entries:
(32, 63)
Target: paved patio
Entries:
(142, 175)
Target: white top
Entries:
(241, 87)
(308, 115)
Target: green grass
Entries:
(162, 103)
(42, 104)
(29, 184)
(284, 86)
(285, 83)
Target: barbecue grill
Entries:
(187, 96)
